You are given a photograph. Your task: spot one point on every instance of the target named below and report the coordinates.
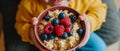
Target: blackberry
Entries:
(73, 18)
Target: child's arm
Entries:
(96, 14)
(23, 22)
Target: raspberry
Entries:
(59, 30)
(48, 29)
(65, 21)
(67, 29)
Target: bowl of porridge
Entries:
(61, 28)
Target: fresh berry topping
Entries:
(47, 18)
(67, 29)
(80, 31)
(49, 28)
(65, 21)
(61, 15)
(51, 36)
(59, 30)
(70, 33)
(55, 21)
(43, 37)
(73, 18)
(65, 35)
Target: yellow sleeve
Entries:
(23, 21)
(27, 9)
(96, 14)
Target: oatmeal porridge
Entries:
(60, 30)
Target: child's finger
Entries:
(34, 21)
(81, 17)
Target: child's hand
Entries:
(33, 22)
(34, 41)
(32, 35)
(83, 17)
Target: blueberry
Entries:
(54, 34)
(80, 31)
(44, 37)
(47, 17)
(65, 35)
(55, 21)
(61, 15)
(70, 33)
(51, 36)
(73, 18)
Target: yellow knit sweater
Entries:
(27, 9)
